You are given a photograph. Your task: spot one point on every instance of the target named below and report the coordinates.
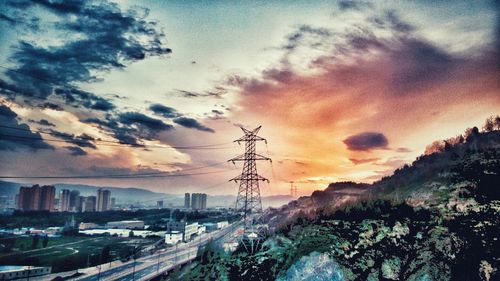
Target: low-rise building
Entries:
(222, 224)
(173, 237)
(87, 225)
(9, 272)
(210, 226)
(201, 229)
(120, 232)
(188, 230)
(53, 230)
(126, 224)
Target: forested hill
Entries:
(436, 219)
(473, 158)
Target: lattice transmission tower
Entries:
(248, 202)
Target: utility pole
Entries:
(99, 274)
(176, 254)
(158, 267)
(248, 201)
(133, 271)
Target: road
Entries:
(146, 268)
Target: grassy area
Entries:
(69, 253)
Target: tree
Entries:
(8, 244)
(496, 122)
(45, 241)
(436, 146)
(131, 234)
(470, 134)
(489, 124)
(34, 241)
(105, 254)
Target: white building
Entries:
(126, 224)
(9, 272)
(190, 230)
(173, 237)
(87, 225)
(119, 232)
(201, 229)
(222, 224)
(187, 229)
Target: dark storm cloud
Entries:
(165, 111)
(297, 38)
(52, 106)
(14, 18)
(217, 92)
(141, 120)
(43, 122)
(76, 151)
(353, 5)
(82, 140)
(249, 85)
(396, 23)
(420, 64)
(124, 134)
(366, 141)
(192, 123)
(111, 38)
(78, 97)
(7, 18)
(279, 75)
(414, 64)
(101, 37)
(18, 136)
(178, 118)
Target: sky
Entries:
(343, 90)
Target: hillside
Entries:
(425, 182)
(436, 219)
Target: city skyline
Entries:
(344, 90)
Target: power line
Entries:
(131, 176)
(154, 173)
(85, 141)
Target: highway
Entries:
(146, 268)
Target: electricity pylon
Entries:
(248, 202)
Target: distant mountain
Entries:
(9, 188)
(139, 196)
(130, 194)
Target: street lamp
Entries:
(158, 266)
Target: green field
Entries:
(69, 253)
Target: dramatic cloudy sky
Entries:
(344, 90)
